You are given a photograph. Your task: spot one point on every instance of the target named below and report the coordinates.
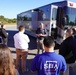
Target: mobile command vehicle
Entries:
(55, 16)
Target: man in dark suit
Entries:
(68, 50)
(40, 33)
(3, 34)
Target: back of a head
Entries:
(6, 61)
(2, 26)
(69, 31)
(21, 28)
(48, 42)
(41, 25)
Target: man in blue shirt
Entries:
(49, 63)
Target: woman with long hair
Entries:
(7, 66)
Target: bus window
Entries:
(44, 13)
(70, 16)
(25, 20)
(54, 14)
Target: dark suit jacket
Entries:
(68, 49)
(3, 34)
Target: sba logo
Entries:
(51, 66)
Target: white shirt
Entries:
(21, 40)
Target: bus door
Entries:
(53, 26)
(60, 24)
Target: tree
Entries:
(4, 20)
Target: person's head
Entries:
(6, 61)
(69, 33)
(41, 25)
(22, 28)
(48, 43)
(3, 26)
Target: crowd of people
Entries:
(46, 63)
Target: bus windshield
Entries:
(70, 16)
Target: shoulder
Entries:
(61, 57)
(3, 29)
(74, 39)
(70, 40)
(37, 57)
(41, 57)
(64, 42)
(25, 35)
(15, 34)
(58, 56)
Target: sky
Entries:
(10, 8)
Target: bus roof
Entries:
(61, 3)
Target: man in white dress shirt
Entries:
(21, 41)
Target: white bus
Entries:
(55, 16)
